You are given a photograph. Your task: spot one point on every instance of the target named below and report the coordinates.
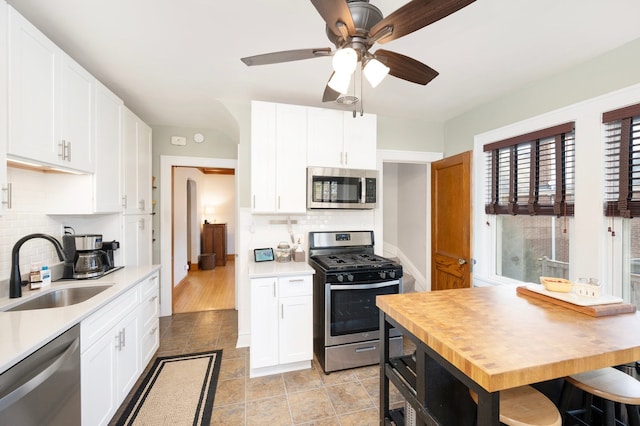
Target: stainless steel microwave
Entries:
(334, 188)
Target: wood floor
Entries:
(206, 290)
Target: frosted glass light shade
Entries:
(375, 71)
(345, 61)
(340, 82)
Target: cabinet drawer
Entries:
(299, 285)
(95, 326)
(149, 288)
(149, 342)
(149, 308)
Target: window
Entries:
(530, 189)
(622, 189)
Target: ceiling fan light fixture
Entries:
(375, 71)
(340, 82)
(345, 61)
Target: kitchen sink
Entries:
(60, 298)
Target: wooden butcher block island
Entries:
(491, 339)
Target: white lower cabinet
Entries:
(115, 348)
(281, 324)
(149, 322)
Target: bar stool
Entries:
(525, 406)
(611, 385)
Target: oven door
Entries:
(351, 313)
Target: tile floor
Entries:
(307, 397)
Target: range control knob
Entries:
(382, 274)
(392, 274)
(350, 277)
(340, 278)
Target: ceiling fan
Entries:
(354, 26)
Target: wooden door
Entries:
(451, 222)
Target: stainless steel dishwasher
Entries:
(44, 388)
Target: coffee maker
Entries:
(85, 256)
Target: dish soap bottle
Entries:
(45, 276)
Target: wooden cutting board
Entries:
(593, 310)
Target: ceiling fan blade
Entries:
(333, 12)
(416, 14)
(286, 56)
(406, 68)
(329, 94)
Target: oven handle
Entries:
(364, 286)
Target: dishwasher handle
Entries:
(41, 377)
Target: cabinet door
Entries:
(129, 161)
(76, 116)
(325, 137)
(4, 190)
(98, 381)
(263, 157)
(291, 154)
(137, 240)
(296, 329)
(264, 322)
(108, 131)
(360, 135)
(144, 167)
(128, 357)
(32, 84)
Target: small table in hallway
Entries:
(492, 339)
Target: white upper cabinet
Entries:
(360, 134)
(136, 164)
(337, 139)
(325, 130)
(278, 158)
(50, 101)
(4, 198)
(108, 134)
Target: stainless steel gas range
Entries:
(348, 278)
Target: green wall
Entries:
(612, 71)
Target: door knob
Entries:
(461, 261)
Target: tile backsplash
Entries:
(28, 215)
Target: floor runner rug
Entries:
(178, 390)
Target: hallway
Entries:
(206, 290)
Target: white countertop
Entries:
(273, 268)
(23, 332)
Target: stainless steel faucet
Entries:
(15, 280)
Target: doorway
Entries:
(204, 273)
(169, 265)
(404, 221)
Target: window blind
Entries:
(622, 162)
(532, 174)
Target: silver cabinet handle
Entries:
(9, 192)
(298, 280)
(67, 151)
(153, 298)
(124, 337)
(124, 201)
(141, 205)
(153, 331)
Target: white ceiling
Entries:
(173, 61)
